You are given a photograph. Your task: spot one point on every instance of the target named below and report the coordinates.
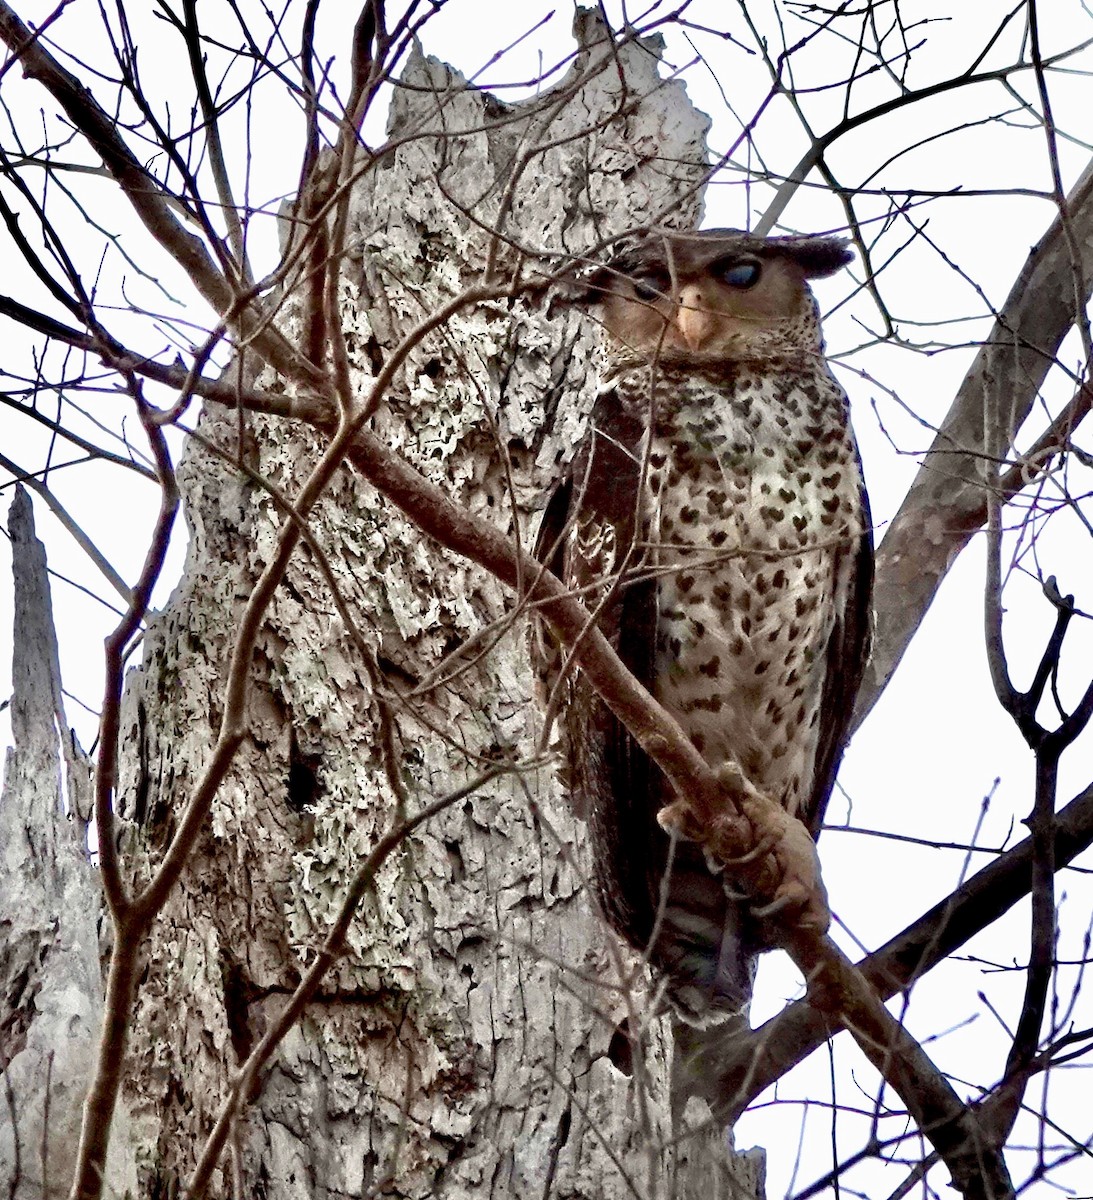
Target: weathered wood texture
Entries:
(50, 974)
(460, 1048)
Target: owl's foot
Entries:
(758, 842)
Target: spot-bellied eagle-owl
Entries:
(715, 523)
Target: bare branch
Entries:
(787, 1039)
(947, 503)
(149, 201)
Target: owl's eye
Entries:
(650, 286)
(742, 275)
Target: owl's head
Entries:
(714, 295)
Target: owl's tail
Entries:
(656, 891)
(701, 941)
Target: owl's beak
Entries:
(694, 318)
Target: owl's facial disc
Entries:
(720, 307)
(701, 305)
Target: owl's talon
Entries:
(763, 847)
(679, 818)
(789, 878)
(777, 905)
(799, 886)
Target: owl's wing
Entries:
(592, 536)
(589, 537)
(847, 654)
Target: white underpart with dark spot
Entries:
(753, 498)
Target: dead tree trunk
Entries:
(461, 1047)
(50, 900)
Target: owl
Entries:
(715, 523)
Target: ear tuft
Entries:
(817, 256)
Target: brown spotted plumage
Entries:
(715, 522)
